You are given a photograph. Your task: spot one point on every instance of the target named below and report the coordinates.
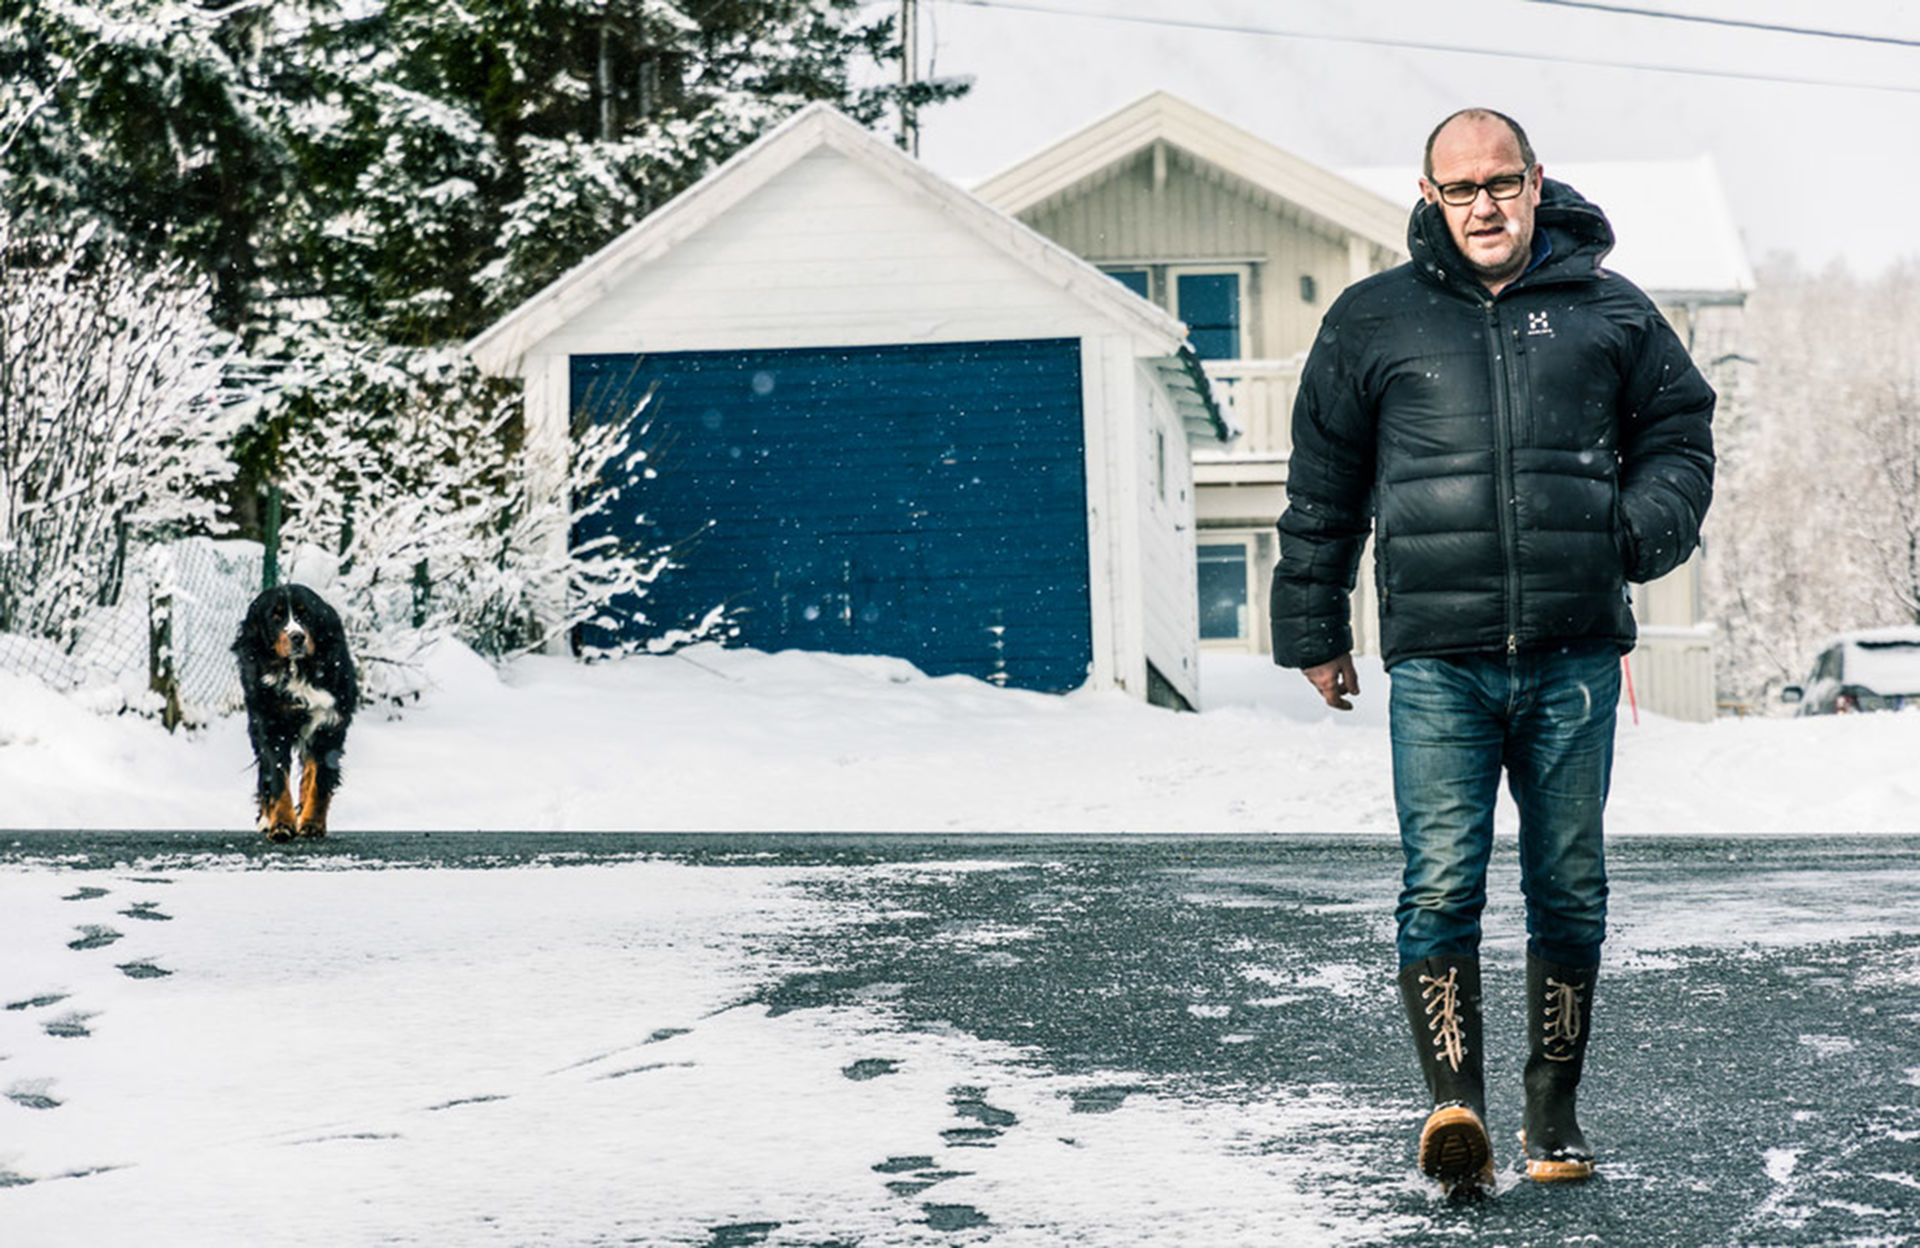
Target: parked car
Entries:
(1872, 669)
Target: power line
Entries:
(1033, 6)
(1703, 19)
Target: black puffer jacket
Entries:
(1521, 458)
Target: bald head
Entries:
(1479, 115)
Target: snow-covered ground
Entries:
(732, 740)
(207, 1053)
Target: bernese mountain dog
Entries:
(300, 690)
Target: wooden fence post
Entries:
(162, 676)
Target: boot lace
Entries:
(1560, 1025)
(1441, 996)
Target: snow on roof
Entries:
(1675, 233)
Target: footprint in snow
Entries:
(484, 1098)
(40, 1002)
(659, 1036)
(1102, 1100)
(870, 1068)
(147, 910)
(954, 1217)
(645, 1068)
(69, 1026)
(971, 1103)
(88, 893)
(33, 1094)
(919, 1174)
(348, 1137)
(93, 936)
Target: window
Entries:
(1209, 302)
(1224, 596)
(1208, 298)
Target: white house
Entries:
(886, 418)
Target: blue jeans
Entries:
(1547, 718)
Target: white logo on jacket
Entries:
(1537, 324)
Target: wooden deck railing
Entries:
(1257, 397)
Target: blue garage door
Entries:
(922, 501)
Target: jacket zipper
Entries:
(1503, 425)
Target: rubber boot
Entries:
(1559, 1020)
(1442, 999)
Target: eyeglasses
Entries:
(1506, 186)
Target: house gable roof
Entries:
(502, 347)
(1164, 118)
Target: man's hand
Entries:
(1336, 680)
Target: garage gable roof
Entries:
(1165, 118)
(501, 348)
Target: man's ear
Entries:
(1428, 191)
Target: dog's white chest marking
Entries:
(322, 711)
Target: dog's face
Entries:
(290, 624)
(290, 638)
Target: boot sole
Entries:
(1454, 1147)
(1546, 1170)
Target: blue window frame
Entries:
(1224, 602)
(1210, 305)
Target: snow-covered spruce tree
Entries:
(113, 426)
(470, 154)
(410, 470)
(417, 165)
(159, 121)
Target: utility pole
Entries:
(909, 69)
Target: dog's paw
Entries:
(312, 830)
(278, 818)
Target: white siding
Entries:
(827, 252)
(1109, 578)
(1170, 609)
(1672, 672)
(1197, 215)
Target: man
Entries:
(1526, 436)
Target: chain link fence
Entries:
(163, 647)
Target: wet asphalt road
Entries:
(1755, 1069)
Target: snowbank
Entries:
(739, 740)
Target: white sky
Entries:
(1824, 172)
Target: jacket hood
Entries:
(1579, 232)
